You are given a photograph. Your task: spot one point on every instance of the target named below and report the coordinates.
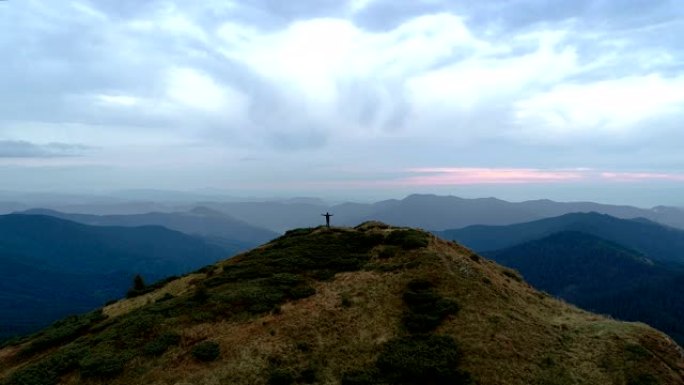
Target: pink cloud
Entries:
(464, 176)
(641, 176)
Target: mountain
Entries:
(276, 216)
(367, 305)
(199, 221)
(430, 212)
(441, 212)
(602, 276)
(50, 267)
(574, 265)
(656, 241)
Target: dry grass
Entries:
(177, 287)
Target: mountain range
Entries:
(631, 269)
(430, 212)
(656, 241)
(51, 267)
(426, 211)
(373, 304)
(209, 224)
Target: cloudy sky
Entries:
(518, 99)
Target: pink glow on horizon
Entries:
(464, 176)
(640, 176)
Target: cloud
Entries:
(465, 176)
(615, 107)
(642, 176)
(533, 87)
(454, 176)
(23, 149)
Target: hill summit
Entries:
(373, 304)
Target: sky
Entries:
(518, 99)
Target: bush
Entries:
(424, 359)
(104, 364)
(48, 370)
(308, 376)
(300, 292)
(388, 252)
(63, 331)
(426, 308)
(408, 239)
(512, 274)
(34, 375)
(161, 344)
(643, 379)
(139, 287)
(361, 377)
(281, 377)
(206, 351)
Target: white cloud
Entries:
(118, 100)
(426, 83)
(615, 106)
(196, 90)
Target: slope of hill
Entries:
(199, 221)
(51, 267)
(368, 305)
(601, 276)
(657, 242)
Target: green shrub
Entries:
(139, 288)
(408, 239)
(512, 274)
(201, 294)
(642, 379)
(161, 344)
(424, 359)
(361, 377)
(34, 375)
(102, 364)
(281, 377)
(48, 370)
(206, 351)
(426, 308)
(308, 376)
(63, 331)
(388, 252)
(300, 292)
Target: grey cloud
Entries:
(59, 59)
(23, 149)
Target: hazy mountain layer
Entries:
(655, 241)
(51, 267)
(430, 212)
(199, 221)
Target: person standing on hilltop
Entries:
(327, 216)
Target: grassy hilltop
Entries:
(367, 305)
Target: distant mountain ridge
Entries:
(200, 221)
(431, 212)
(50, 267)
(427, 211)
(656, 241)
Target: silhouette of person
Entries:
(327, 216)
